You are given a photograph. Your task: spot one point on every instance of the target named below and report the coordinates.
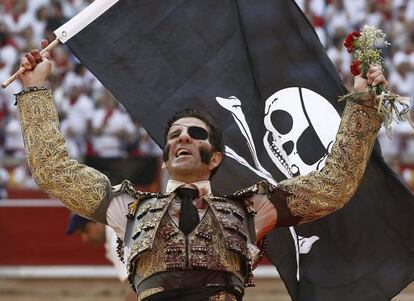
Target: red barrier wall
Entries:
(36, 236)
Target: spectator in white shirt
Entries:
(14, 145)
(76, 111)
(110, 128)
(337, 17)
(402, 80)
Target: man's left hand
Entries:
(375, 77)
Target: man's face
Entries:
(190, 158)
(92, 233)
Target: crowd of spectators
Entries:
(92, 121)
(95, 124)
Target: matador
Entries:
(187, 243)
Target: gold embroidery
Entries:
(211, 253)
(163, 255)
(320, 193)
(207, 247)
(80, 188)
(148, 292)
(223, 296)
(132, 209)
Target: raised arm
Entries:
(306, 198)
(82, 189)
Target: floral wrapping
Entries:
(82, 189)
(321, 192)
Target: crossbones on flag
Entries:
(258, 67)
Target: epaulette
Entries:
(257, 188)
(127, 187)
(244, 195)
(139, 197)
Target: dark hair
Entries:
(215, 134)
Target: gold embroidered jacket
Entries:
(88, 192)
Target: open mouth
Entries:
(182, 152)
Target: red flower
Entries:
(350, 49)
(350, 39)
(355, 68)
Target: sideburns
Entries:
(166, 152)
(206, 155)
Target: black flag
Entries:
(259, 68)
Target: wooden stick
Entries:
(22, 69)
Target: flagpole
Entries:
(22, 69)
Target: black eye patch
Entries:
(197, 133)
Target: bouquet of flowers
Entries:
(365, 46)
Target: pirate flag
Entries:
(258, 67)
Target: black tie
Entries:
(188, 213)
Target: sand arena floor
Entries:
(112, 290)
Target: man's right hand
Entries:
(37, 67)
